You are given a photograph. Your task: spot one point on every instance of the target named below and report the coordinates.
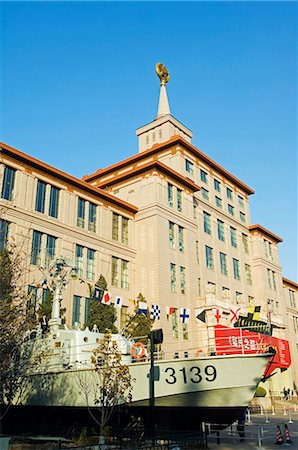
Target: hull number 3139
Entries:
(194, 374)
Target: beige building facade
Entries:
(169, 223)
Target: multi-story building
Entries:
(169, 223)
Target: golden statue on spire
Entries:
(162, 73)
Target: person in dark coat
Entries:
(44, 324)
(241, 425)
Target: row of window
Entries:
(189, 167)
(84, 259)
(226, 294)
(218, 203)
(209, 255)
(35, 297)
(221, 232)
(47, 202)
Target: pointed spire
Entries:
(163, 105)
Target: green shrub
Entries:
(260, 392)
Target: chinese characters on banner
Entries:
(235, 341)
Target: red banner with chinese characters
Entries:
(235, 341)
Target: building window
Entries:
(245, 243)
(124, 317)
(79, 259)
(225, 292)
(4, 228)
(115, 226)
(205, 194)
(175, 324)
(229, 193)
(189, 167)
(295, 323)
(40, 196)
(250, 300)
(173, 277)
(242, 216)
(220, 230)
(185, 331)
(197, 252)
(76, 309)
(218, 202)
(209, 257)
(199, 287)
(216, 185)
(8, 183)
(50, 249)
(181, 239)
(179, 200)
(203, 176)
(81, 213)
(170, 195)
(223, 263)
(45, 295)
(114, 271)
(31, 302)
(207, 222)
(120, 223)
(238, 297)
(195, 205)
(268, 249)
(273, 280)
(182, 280)
(54, 202)
(231, 210)
(171, 235)
(292, 298)
(87, 309)
(248, 274)
(92, 217)
(124, 274)
(120, 266)
(236, 269)
(90, 264)
(36, 248)
(241, 201)
(233, 237)
(124, 231)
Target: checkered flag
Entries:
(155, 312)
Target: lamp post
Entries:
(156, 337)
(60, 277)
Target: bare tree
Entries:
(108, 384)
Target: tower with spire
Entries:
(164, 126)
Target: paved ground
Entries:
(259, 426)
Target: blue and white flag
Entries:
(118, 301)
(184, 315)
(143, 308)
(96, 293)
(155, 312)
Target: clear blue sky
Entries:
(78, 78)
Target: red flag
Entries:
(106, 298)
